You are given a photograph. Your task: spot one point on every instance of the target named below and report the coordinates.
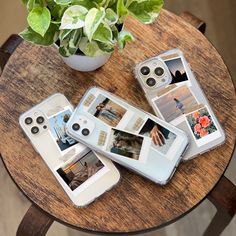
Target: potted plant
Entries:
(84, 31)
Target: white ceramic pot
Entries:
(85, 63)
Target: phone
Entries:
(176, 97)
(135, 139)
(83, 174)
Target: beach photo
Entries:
(162, 138)
(201, 123)
(57, 127)
(175, 103)
(76, 173)
(125, 144)
(177, 70)
(107, 111)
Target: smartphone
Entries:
(135, 139)
(83, 174)
(176, 97)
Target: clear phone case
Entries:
(177, 98)
(83, 174)
(127, 135)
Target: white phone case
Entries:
(122, 132)
(177, 98)
(84, 175)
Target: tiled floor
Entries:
(221, 20)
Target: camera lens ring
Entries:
(145, 70)
(151, 82)
(75, 126)
(85, 132)
(40, 120)
(28, 120)
(34, 130)
(159, 71)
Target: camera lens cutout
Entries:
(34, 130)
(151, 82)
(75, 127)
(85, 132)
(28, 120)
(145, 70)
(159, 71)
(40, 120)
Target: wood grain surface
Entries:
(33, 73)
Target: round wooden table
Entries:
(135, 205)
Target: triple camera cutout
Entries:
(154, 74)
(36, 122)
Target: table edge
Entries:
(143, 230)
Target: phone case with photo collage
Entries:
(83, 174)
(180, 101)
(127, 135)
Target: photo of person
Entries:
(107, 111)
(201, 123)
(177, 70)
(175, 103)
(125, 144)
(57, 128)
(162, 138)
(76, 173)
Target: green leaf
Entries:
(92, 21)
(39, 20)
(56, 10)
(63, 2)
(75, 37)
(145, 11)
(122, 11)
(105, 3)
(85, 3)
(49, 38)
(115, 32)
(90, 49)
(111, 17)
(100, 3)
(70, 43)
(64, 33)
(30, 4)
(106, 47)
(74, 17)
(103, 34)
(64, 49)
(113, 5)
(123, 38)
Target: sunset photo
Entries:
(175, 103)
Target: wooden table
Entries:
(135, 205)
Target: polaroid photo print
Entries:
(107, 111)
(162, 138)
(175, 103)
(57, 123)
(202, 126)
(127, 145)
(177, 70)
(79, 171)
